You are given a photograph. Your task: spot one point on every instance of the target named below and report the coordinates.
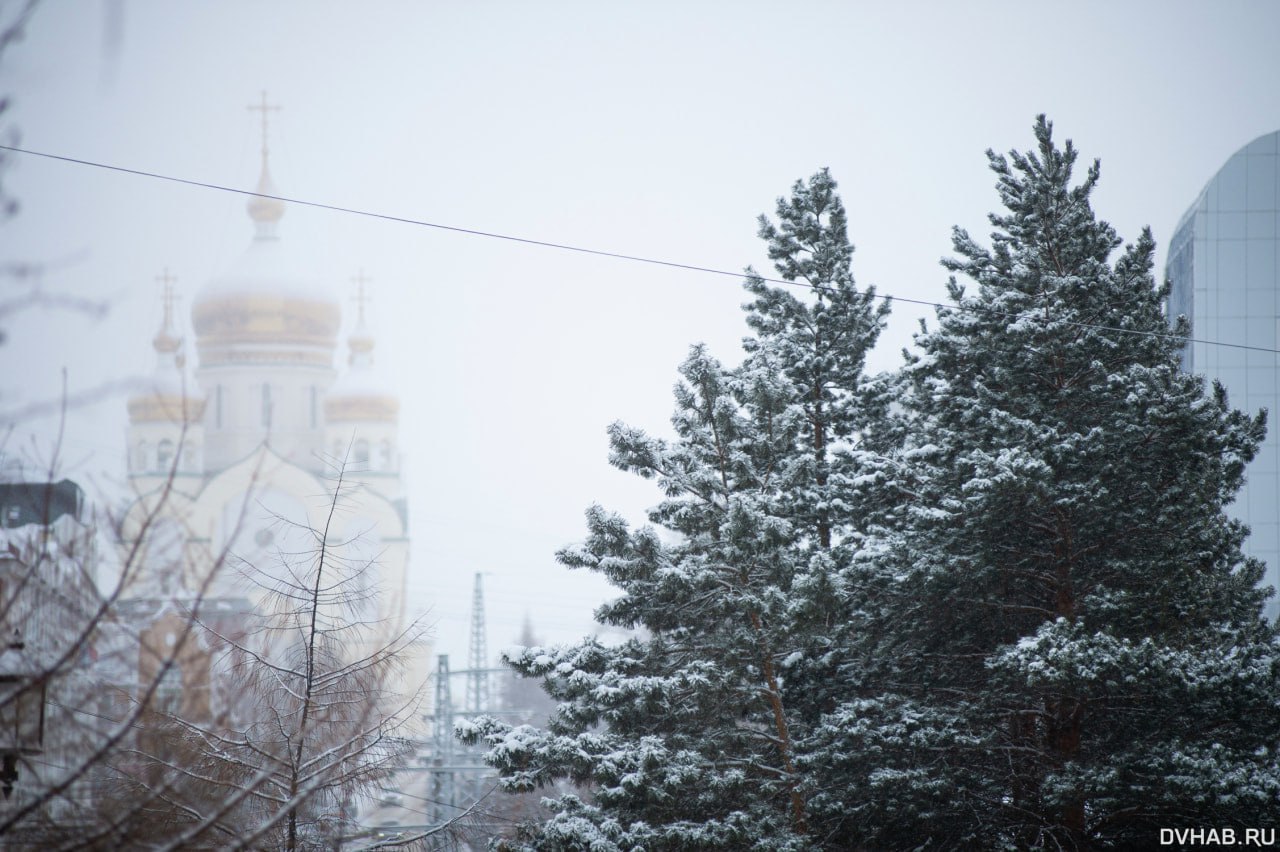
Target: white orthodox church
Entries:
(241, 449)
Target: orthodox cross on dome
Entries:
(264, 108)
(360, 341)
(167, 296)
(361, 298)
(165, 340)
(265, 208)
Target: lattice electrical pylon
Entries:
(443, 796)
(442, 735)
(478, 673)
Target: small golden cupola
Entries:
(362, 409)
(165, 416)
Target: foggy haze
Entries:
(657, 130)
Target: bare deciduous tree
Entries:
(313, 718)
(298, 719)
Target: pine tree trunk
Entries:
(820, 464)
(785, 747)
(1066, 714)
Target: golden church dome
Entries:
(262, 310)
(361, 394)
(166, 397)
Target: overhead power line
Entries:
(653, 261)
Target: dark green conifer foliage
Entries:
(684, 736)
(826, 487)
(820, 347)
(1068, 642)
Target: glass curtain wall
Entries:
(1223, 262)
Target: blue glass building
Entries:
(1223, 262)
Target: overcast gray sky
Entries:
(657, 128)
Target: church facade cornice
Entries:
(166, 408)
(377, 408)
(213, 357)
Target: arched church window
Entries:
(360, 455)
(164, 455)
(140, 454)
(383, 460)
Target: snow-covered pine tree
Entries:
(820, 346)
(828, 487)
(1071, 647)
(684, 737)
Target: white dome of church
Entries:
(361, 393)
(361, 409)
(165, 412)
(168, 380)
